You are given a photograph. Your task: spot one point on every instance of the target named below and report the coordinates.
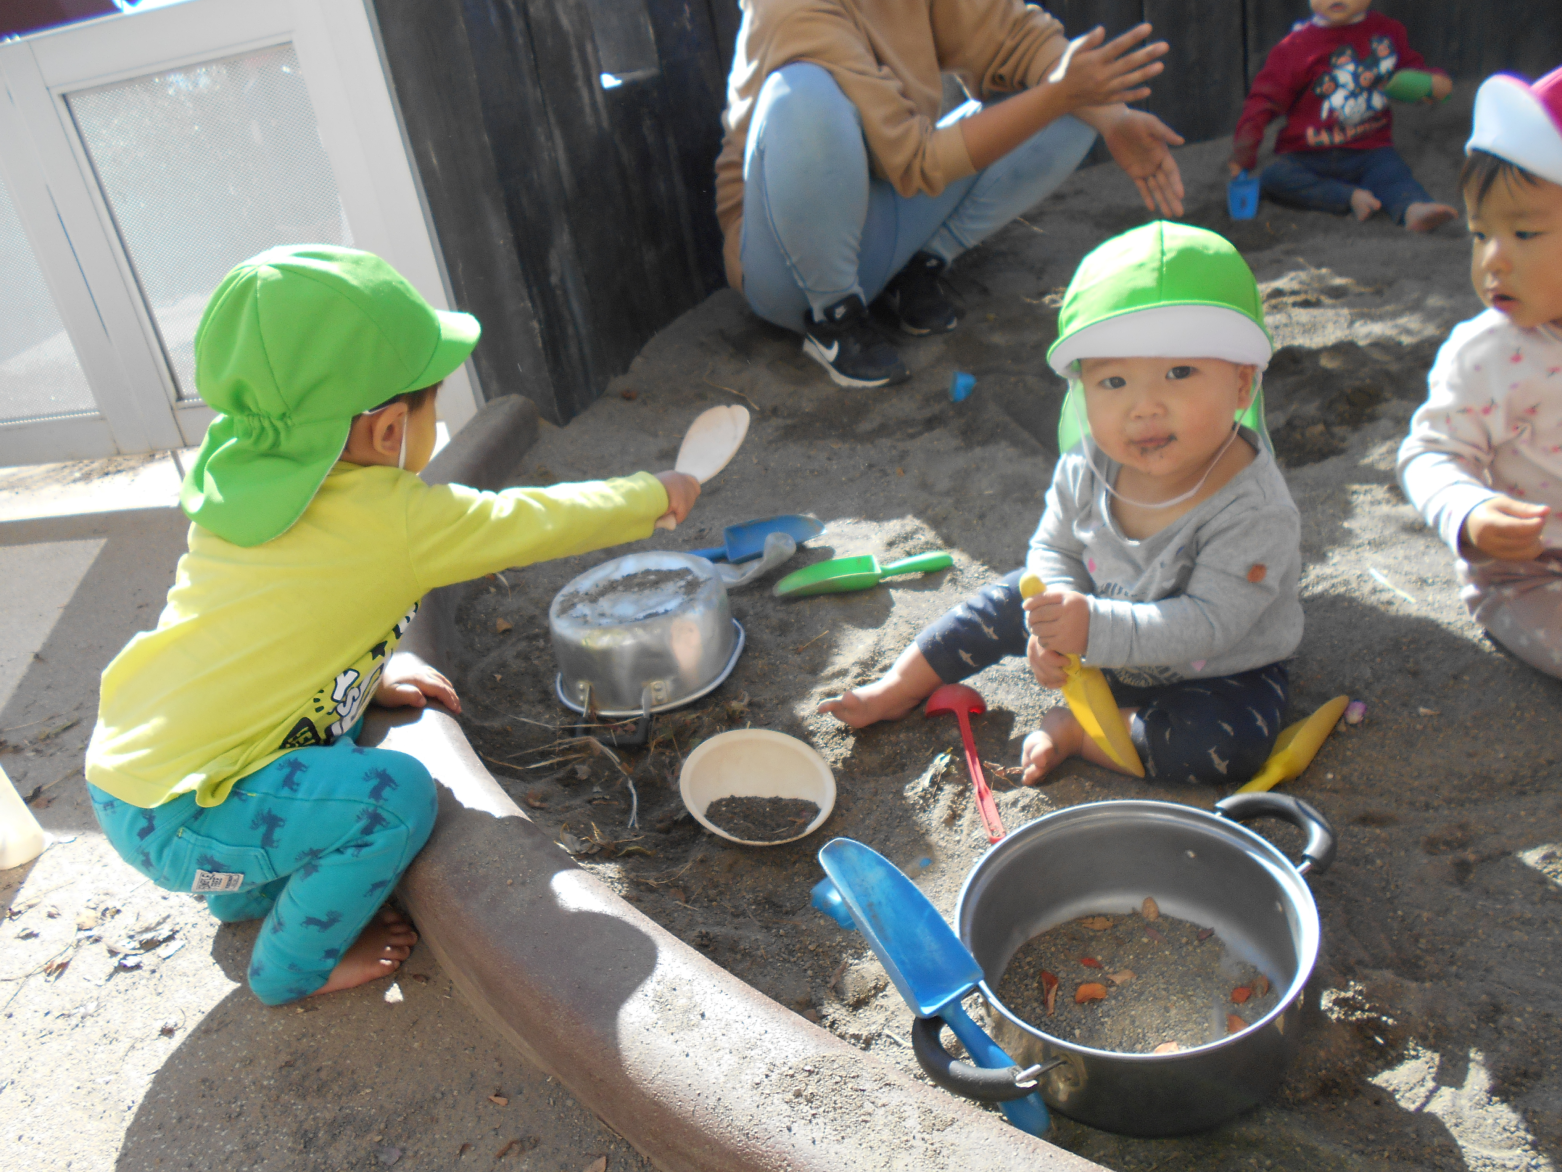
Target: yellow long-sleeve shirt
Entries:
(270, 648)
(886, 55)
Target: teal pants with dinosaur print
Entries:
(314, 843)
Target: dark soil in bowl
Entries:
(762, 819)
(1134, 986)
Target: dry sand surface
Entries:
(1431, 1029)
(1431, 1037)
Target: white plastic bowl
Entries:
(756, 763)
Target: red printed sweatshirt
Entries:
(1326, 81)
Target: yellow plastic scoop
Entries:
(1090, 700)
(1296, 746)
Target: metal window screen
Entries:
(40, 377)
(203, 167)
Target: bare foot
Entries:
(1363, 203)
(1423, 217)
(907, 683)
(378, 952)
(1059, 738)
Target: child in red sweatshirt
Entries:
(1336, 152)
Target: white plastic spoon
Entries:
(712, 439)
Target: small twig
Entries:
(29, 724)
(812, 641)
(502, 764)
(730, 391)
(1029, 225)
(634, 796)
(1382, 580)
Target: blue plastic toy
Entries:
(1242, 197)
(924, 958)
(961, 386)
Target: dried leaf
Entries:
(1154, 935)
(1089, 991)
(463, 1149)
(597, 1165)
(1206, 933)
(1261, 984)
(536, 801)
(1240, 994)
(1090, 962)
(1097, 923)
(1049, 992)
(1149, 909)
(55, 967)
(1166, 1048)
(1234, 1024)
(1123, 977)
(500, 1099)
(503, 625)
(505, 1151)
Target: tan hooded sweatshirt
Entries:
(886, 55)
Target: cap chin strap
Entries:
(1090, 441)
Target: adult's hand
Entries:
(1096, 76)
(1104, 74)
(1141, 145)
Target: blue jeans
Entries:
(1324, 180)
(1217, 731)
(817, 226)
(313, 842)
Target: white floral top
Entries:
(1491, 425)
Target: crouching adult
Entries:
(839, 183)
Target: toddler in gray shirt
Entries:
(1170, 542)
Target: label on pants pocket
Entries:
(217, 881)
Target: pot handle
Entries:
(983, 1084)
(1319, 851)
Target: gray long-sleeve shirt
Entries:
(1212, 594)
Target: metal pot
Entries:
(1201, 867)
(642, 645)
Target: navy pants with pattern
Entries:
(1218, 730)
(314, 843)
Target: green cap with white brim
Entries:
(1162, 290)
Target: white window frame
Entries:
(88, 272)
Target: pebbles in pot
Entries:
(1125, 984)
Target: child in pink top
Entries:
(1483, 461)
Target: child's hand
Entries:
(1441, 88)
(1506, 529)
(408, 682)
(1234, 168)
(1060, 619)
(682, 491)
(1046, 666)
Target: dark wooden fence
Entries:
(577, 219)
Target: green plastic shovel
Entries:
(839, 575)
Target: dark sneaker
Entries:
(915, 295)
(846, 344)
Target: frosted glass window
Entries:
(40, 377)
(202, 167)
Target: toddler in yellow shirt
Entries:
(224, 760)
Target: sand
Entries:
(1431, 1029)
